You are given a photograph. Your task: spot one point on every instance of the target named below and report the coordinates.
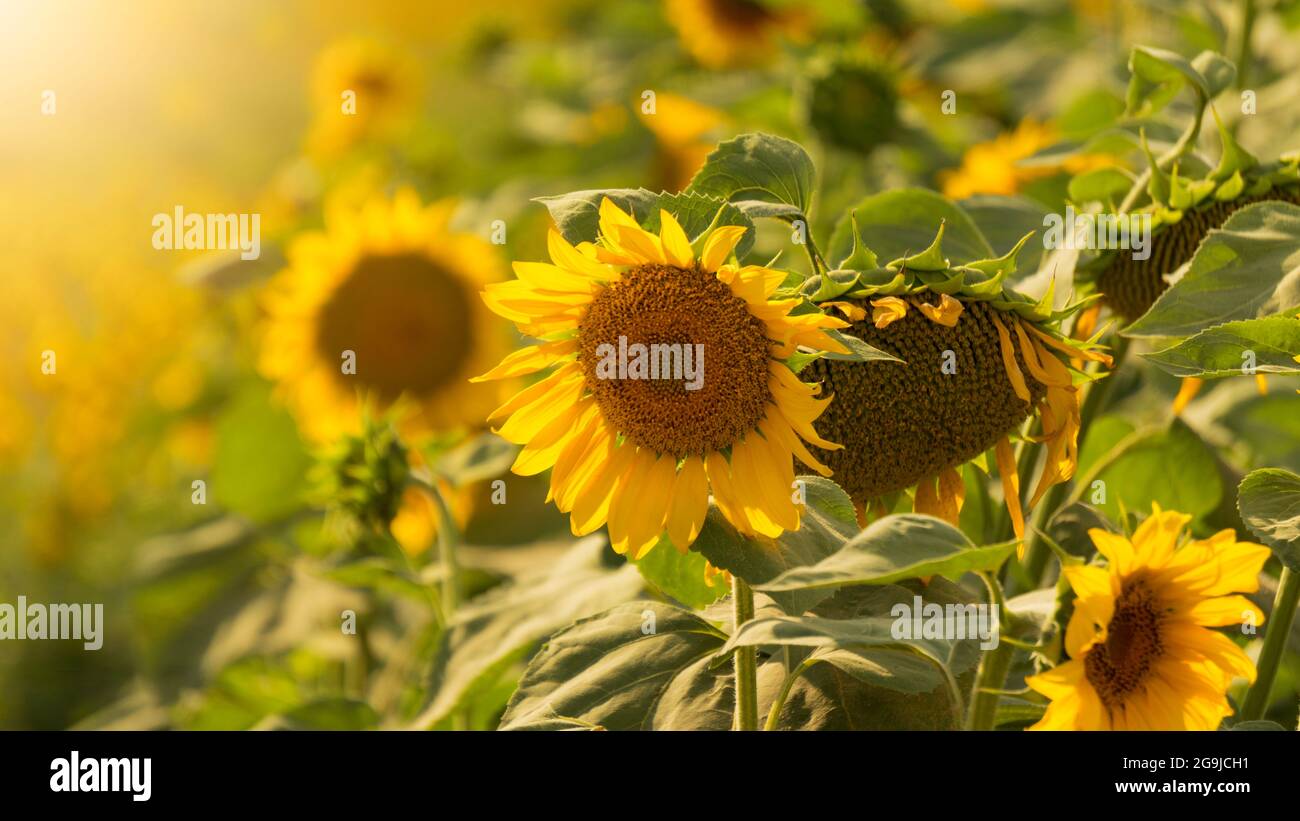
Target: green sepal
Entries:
(931, 259)
(861, 258)
(1234, 158)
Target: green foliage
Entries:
(1270, 345)
(1248, 269)
(260, 463)
(1269, 501)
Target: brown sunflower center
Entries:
(1132, 285)
(901, 423)
(741, 13)
(406, 320)
(1119, 666)
(676, 361)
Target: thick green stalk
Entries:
(1242, 54)
(746, 659)
(1277, 631)
(993, 666)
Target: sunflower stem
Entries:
(993, 669)
(1275, 638)
(774, 714)
(448, 541)
(746, 659)
(1242, 54)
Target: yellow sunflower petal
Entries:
(719, 245)
(677, 247)
(887, 310)
(946, 313)
(690, 503)
(530, 360)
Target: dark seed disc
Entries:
(1131, 286)
(901, 423)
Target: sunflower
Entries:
(361, 89)
(642, 455)
(997, 167)
(680, 127)
(1142, 656)
(726, 33)
(1183, 213)
(977, 361)
(380, 307)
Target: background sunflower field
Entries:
(301, 507)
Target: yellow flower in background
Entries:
(416, 525)
(361, 89)
(681, 127)
(642, 454)
(994, 167)
(382, 306)
(1142, 654)
(725, 33)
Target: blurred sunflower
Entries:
(361, 89)
(996, 167)
(680, 127)
(380, 306)
(1142, 656)
(977, 361)
(642, 455)
(726, 33)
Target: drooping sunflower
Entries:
(382, 306)
(977, 361)
(643, 454)
(1188, 211)
(1142, 652)
(1183, 213)
(727, 33)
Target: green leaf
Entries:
(679, 575)
(1172, 466)
(612, 669)
(260, 463)
(577, 214)
(1217, 351)
(698, 214)
(902, 546)
(1158, 75)
(486, 456)
(1257, 725)
(499, 628)
(324, 714)
(1249, 268)
(881, 659)
(1269, 502)
(898, 223)
(1004, 221)
(378, 574)
(859, 351)
(1102, 185)
(828, 521)
(758, 167)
